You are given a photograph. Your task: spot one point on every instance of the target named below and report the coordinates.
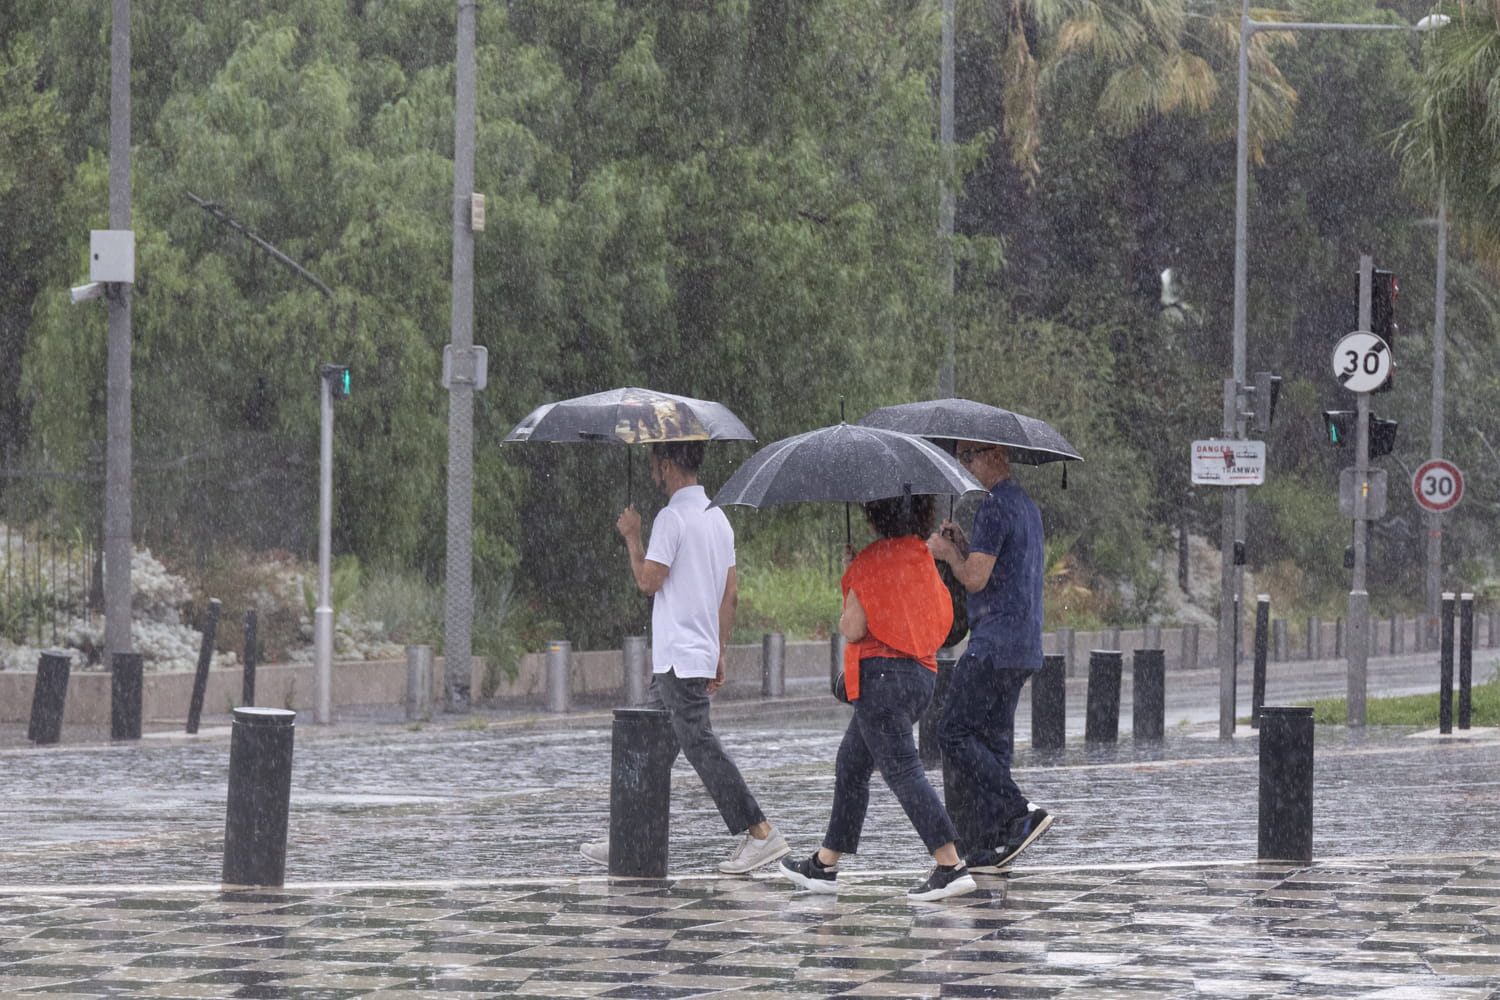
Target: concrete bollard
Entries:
(1066, 640)
(1258, 679)
(260, 793)
(1148, 703)
(125, 681)
(205, 660)
(1338, 637)
(247, 692)
(49, 696)
(1281, 646)
(1190, 647)
(1049, 698)
(418, 683)
(559, 679)
(1286, 784)
(1465, 659)
(1151, 637)
(1109, 638)
(1398, 634)
(927, 725)
(642, 749)
(773, 665)
(637, 669)
(1445, 667)
(1315, 638)
(1102, 724)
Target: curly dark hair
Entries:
(894, 517)
(686, 455)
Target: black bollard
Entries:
(1103, 721)
(1445, 668)
(1286, 783)
(49, 696)
(1258, 679)
(125, 680)
(260, 793)
(205, 659)
(1049, 700)
(642, 750)
(927, 741)
(1465, 659)
(247, 694)
(1148, 704)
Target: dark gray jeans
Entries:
(685, 699)
(892, 694)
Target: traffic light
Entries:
(1264, 389)
(1383, 291)
(337, 377)
(1382, 436)
(1339, 425)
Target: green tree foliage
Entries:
(733, 199)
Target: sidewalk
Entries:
(441, 862)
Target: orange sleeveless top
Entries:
(908, 608)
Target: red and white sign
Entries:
(1229, 463)
(1438, 485)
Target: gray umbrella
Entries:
(845, 462)
(631, 416)
(1030, 441)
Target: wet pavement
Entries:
(442, 861)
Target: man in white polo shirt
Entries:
(689, 571)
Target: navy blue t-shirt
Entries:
(1006, 616)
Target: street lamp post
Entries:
(1233, 520)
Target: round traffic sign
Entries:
(1438, 485)
(1361, 362)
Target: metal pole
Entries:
(459, 599)
(323, 614)
(1439, 378)
(117, 459)
(1359, 597)
(946, 205)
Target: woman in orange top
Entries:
(896, 614)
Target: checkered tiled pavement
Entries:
(1406, 929)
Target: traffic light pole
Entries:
(1359, 598)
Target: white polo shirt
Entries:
(696, 544)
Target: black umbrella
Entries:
(845, 462)
(631, 416)
(1030, 441)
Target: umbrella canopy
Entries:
(844, 462)
(1030, 441)
(631, 416)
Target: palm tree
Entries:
(1452, 142)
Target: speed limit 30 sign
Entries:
(1361, 362)
(1438, 485)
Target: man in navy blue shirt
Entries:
(1001, 568)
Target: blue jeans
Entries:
(892, 694)
(977, 734)
(685, 700)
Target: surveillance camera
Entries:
(82, 293)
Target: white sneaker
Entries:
(752, 853)
(597, 852)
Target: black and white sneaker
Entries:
(985, 862)
(1024, 831)
(809, 874)
(942, 883)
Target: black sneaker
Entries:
(942, 883)
(810, 875)
(1024, 831)
(985, 862)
